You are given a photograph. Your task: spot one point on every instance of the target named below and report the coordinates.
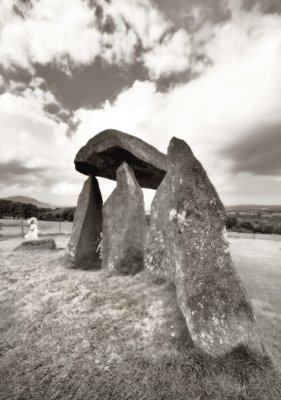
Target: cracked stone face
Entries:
(187, 243)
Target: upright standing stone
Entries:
(124, 225)
(87, 226)
(187, 243)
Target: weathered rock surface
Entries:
(124, 225)
(39, 244)
(87, 225)
(106, 151)
(187, 243)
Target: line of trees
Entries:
(16, 210)
(234, 224)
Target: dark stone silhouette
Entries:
(106, 151)
(124, 225)
(187, 243)
(87, 225)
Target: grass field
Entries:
(72, 334)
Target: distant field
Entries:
(12, 227)
(259, 236)
(68, 334)
(258, 262)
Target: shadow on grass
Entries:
(239, 375)
(191, 376)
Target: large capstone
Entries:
(187, 243)
(82, 249)
(124, 225)
(105, 152)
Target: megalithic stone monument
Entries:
(124, 225)
(87, 225)
(187, 243)
(106, 151)
(102, 156)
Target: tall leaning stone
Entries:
(187, 243)
(124, 225)
(87, 225)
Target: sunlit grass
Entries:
(71, 334)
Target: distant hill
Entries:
(254, 207)
(25, 200)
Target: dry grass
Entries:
(70, 334)
(259, 265)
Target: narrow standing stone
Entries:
(87, 225)
(124, 225)
(187, 243)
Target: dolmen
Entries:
(185, 243)
(133, 164)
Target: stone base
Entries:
(48, 244)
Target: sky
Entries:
(208, 72)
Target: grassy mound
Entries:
(70, 334)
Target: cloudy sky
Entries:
(206, 71)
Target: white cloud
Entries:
(51, 30)
(237, 94)
(240, 92)
(37, 142)
(131, 112)
(68, 33)
(145, 20)
(171, 56)
(29, 134)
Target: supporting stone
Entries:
(106, 151)
(124, 225)
(187, 243)
(87, 225)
